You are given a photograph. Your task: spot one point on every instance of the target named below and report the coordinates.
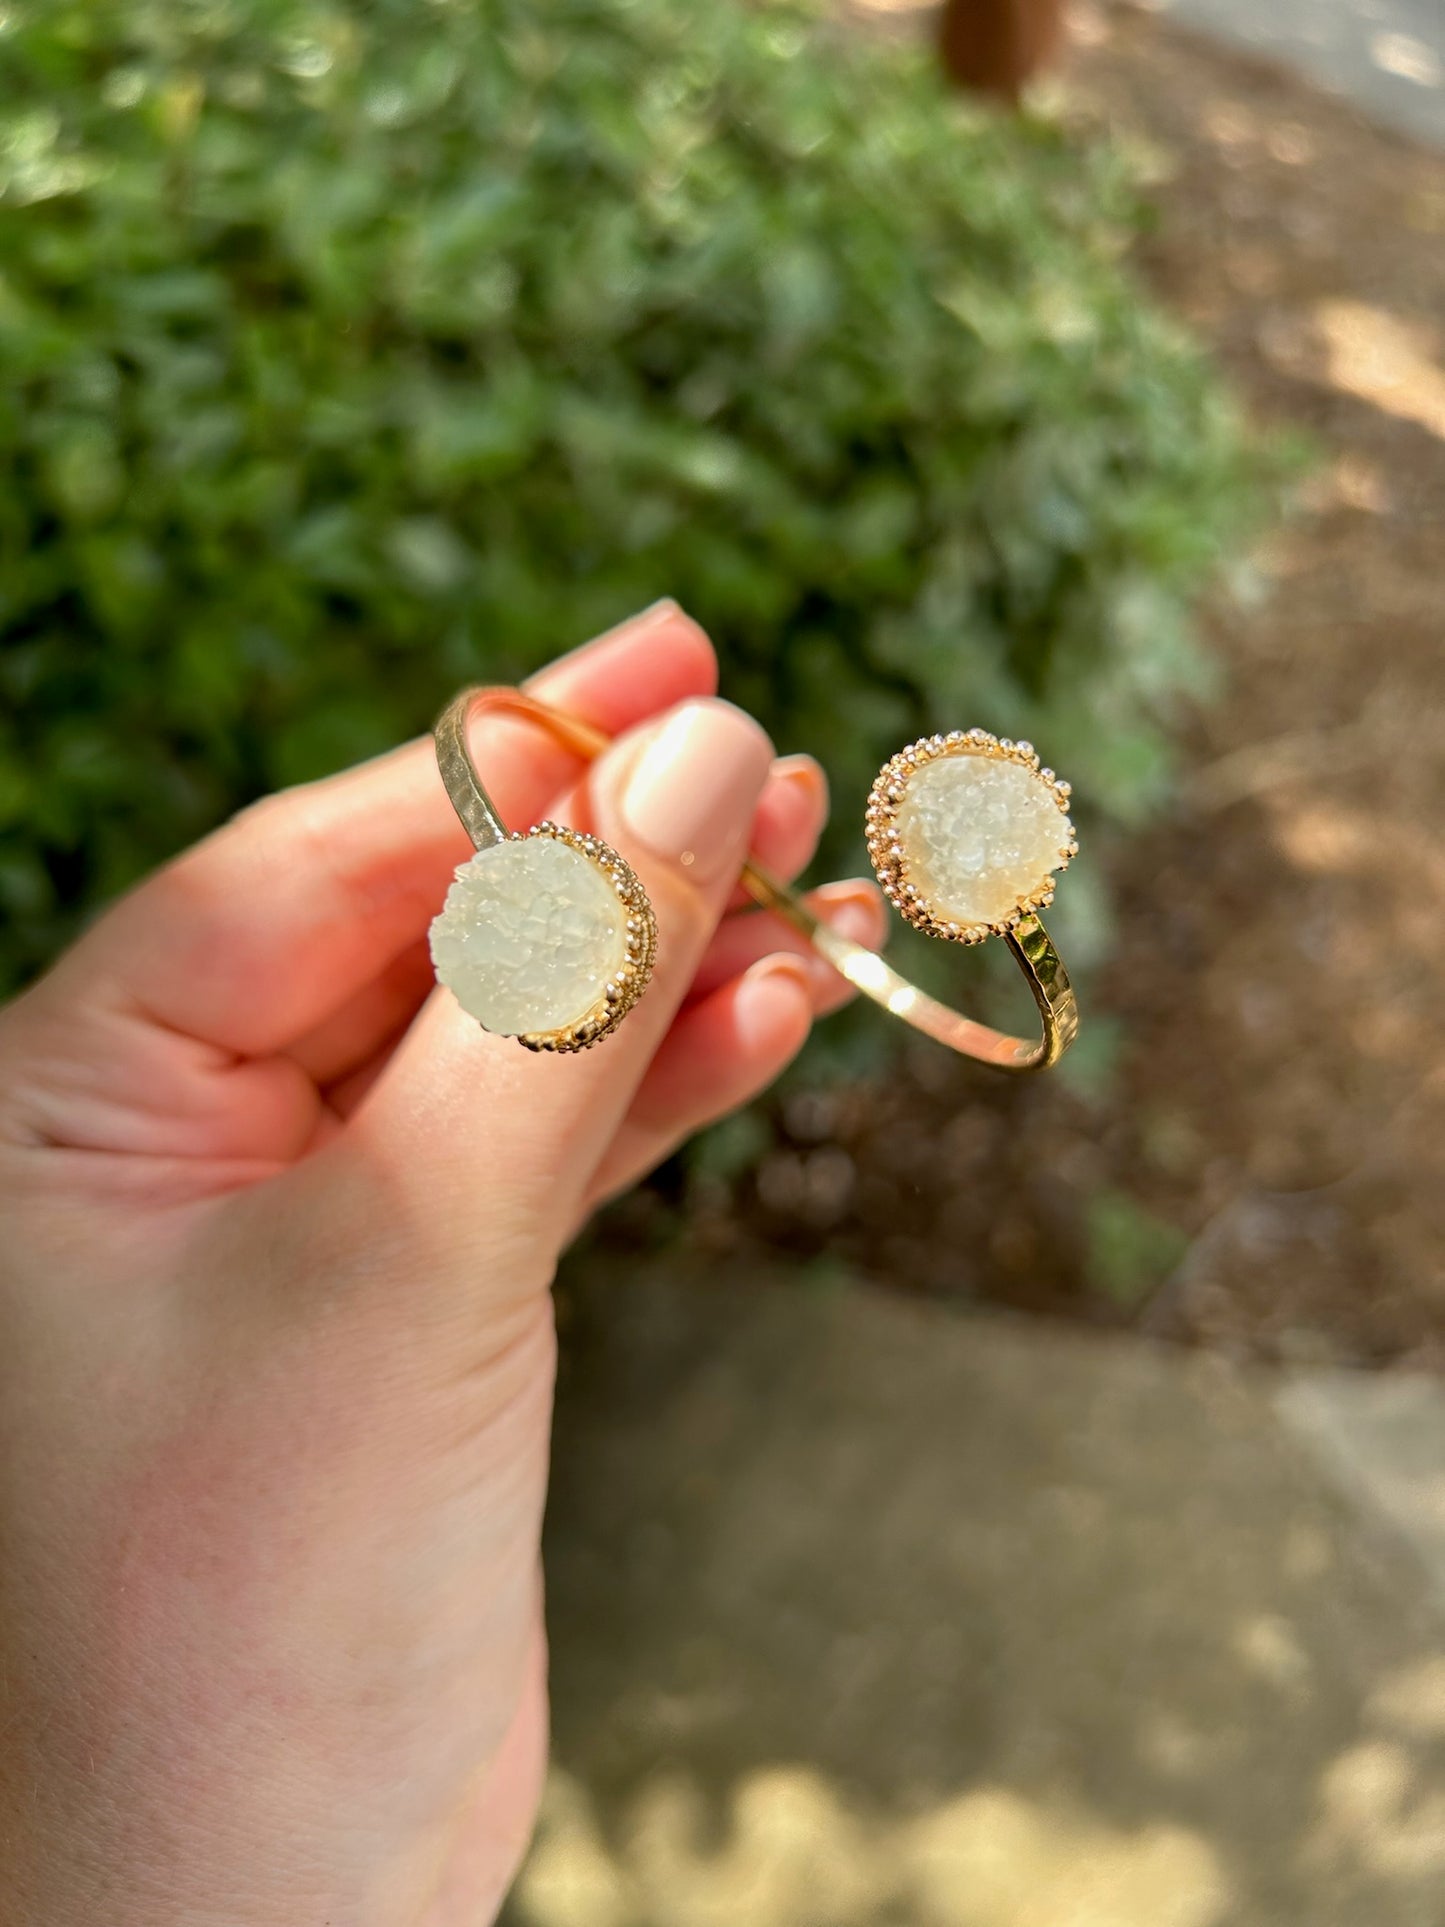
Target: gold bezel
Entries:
(622, 992)
(886, 852)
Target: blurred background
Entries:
(977, 1504)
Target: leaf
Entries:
(1129, 1251)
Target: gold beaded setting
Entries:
(885, 847)
(633, 975)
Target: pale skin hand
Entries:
(276, 1339)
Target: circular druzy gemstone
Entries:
(980, 835)
(530, 934)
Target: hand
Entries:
(276, 1340)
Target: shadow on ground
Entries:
(866, 1613)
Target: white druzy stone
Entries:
(979, 834)
(529, 935)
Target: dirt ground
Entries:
(1267, 1174)
(1285, 1096)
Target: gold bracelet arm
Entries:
(458, 770)
(865, 969)
(890, 989)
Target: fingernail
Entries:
(855, 918)
(644, 619)
(691, 796)
(770, 996)
(802, 774)
(655, 611)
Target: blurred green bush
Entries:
(353, 352)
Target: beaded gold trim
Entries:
(886, 851)
(633, 975)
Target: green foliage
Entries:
(354, 352)
(1128, 1251)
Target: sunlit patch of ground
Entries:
(793, 1851)
(864, 1614)
(1265, 1170)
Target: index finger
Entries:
(251, 938)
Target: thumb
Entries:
(471, 1135)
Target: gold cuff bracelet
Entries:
(965, 832)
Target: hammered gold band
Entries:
(1035, 955)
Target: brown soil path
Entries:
(1268, 1173)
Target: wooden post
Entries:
(996, 46)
